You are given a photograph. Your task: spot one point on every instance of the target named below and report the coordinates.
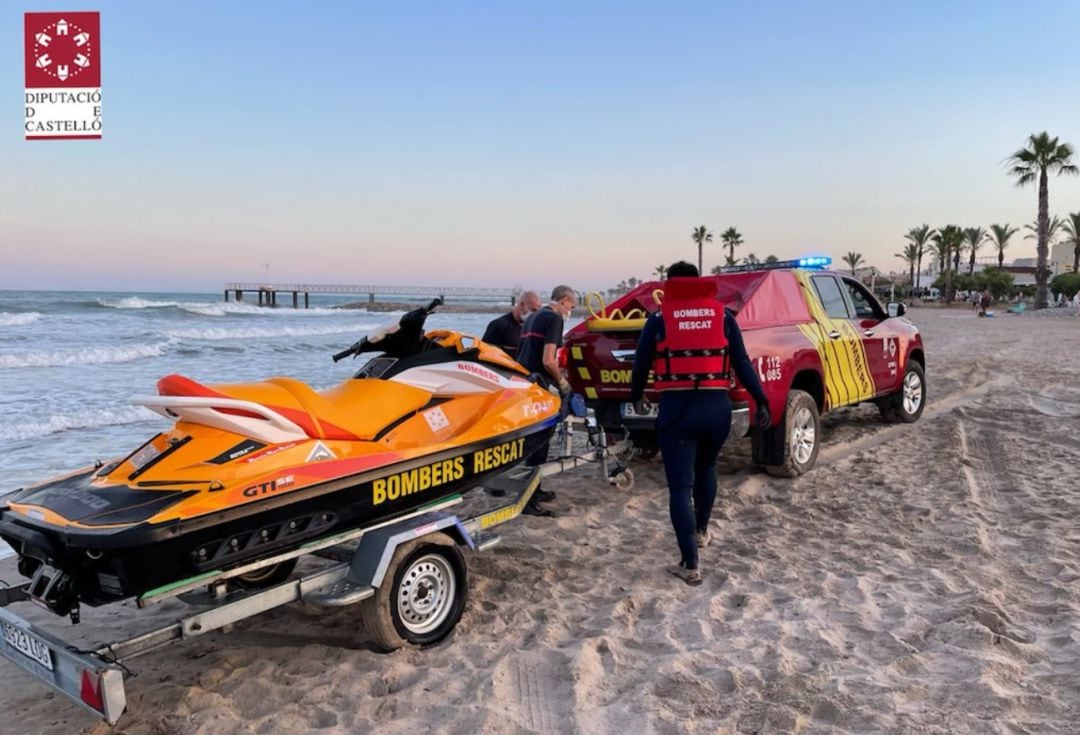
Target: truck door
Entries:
(847, 373)
(880, 346)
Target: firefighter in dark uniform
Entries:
(691, 344)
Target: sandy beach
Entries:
(922, 579)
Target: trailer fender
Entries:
(372, 559)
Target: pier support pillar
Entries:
(294, 296)
(239, 295)
(305, 299)
(371, 298)
(226, 296)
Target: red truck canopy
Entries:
(763, 298)
(766, 298)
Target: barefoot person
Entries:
(689, 344)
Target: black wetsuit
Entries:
(692, 426)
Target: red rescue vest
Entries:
(694, 351)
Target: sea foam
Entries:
(224, 333)
(66, 422)
(85, 356)
(136, 302)
(18, 320)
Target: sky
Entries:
(532, 143)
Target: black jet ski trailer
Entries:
(408, 575)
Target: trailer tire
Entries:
(422, 596)
(802, 435)
(261, 579)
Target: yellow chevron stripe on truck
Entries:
(843, 359)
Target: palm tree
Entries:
(1072, 232)
(1043, 155)
(660, 271)
(700, 235)
(1056, 223)
(919, 237)
(939, 246)
(854, 260)
(947, 242)
(975, 237)
(732, 239)
(910, 256)
(751, 259)
(999, 236)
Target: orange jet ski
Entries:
(251, 470)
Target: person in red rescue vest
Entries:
(691, 344)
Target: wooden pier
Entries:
(268, 293)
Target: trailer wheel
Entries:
(265, 577)
(802, 435)
(422, 596)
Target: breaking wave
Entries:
(210, 308)
(226, 309)
(67, 422)
(135, 302)
(223, 333)
(18, 320)
(85, 356)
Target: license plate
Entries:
(629, 412)
(27, 644)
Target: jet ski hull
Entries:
(98, 565)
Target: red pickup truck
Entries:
(819, 341)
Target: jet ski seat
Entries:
(357, 410)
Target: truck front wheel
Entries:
(801, 424)
(906, 406)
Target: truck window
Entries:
(832, 298)
(866, 306)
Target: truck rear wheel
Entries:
(422, 596)
(802, 434)
(906, 405)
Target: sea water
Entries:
(70, 363)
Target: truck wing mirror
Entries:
(896, 309)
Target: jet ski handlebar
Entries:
(399, 339)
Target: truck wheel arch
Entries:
(810, 381)
(917, 355)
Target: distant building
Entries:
(1061, 258)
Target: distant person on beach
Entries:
(984, 302)
(541, 337)
(695, 411)
(505, 331)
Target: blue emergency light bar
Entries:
(818, 262)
